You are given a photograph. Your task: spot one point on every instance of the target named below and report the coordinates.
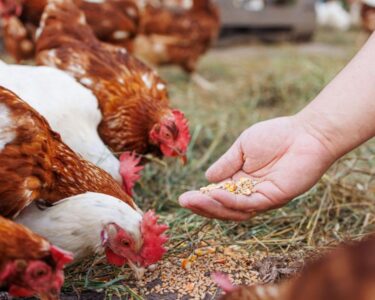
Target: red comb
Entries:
(153, 239)
(182, 125)
(61, 257)
(129, 170)
(223, 281)
(9, 8)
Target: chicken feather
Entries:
(35, 164)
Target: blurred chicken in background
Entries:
(17, 37)
(159, 32)
(177, 36)
(113, 21)
(332, 14)
(368, 15)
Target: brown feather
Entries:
(127, 90)
(15, 238)
(170, 36)
(107, 19)
(18, 39)
(38, 165)
(347, 273)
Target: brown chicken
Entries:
(17, 37)
(29, 265)
(132, 98)
(368, 15)
(36, 164)
(177, 36)
(346, 274)
(113, 21)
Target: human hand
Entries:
(282, 153)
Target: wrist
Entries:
(324, 129)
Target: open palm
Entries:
(280, 153)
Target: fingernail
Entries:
(208, 173)
(183, 202)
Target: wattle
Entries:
(18, 291)
(114, 259)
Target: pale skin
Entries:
(290, 154)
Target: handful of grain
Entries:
(243, 186)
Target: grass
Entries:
(254, 83)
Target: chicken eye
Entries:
(167, 135)
(39, 273)
(125, 243)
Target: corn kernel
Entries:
(211, 250)
(200, 251)
(230, 187)
(235, 248)
(186, 264)
(192, 258)
(220, 261)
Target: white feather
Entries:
(7, 133)
(71, 109)
(94, 1)
(147, 80)
(369, 2)
(120, 34)
(332, 14)
(75, 224)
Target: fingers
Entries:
(226, 165)
(205, 206)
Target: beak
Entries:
(139, 271)
(183, 160)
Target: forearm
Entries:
(342, 116)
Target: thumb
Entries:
(227, 165)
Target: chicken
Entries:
(74, 114)
(368, 15)
(17, 37)
(177, 36)
(113, 21)
(136, 115)
(173, 3)
(332, 14)
(35, 164)
(346, 274)
(29, 265)
(94, 223)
